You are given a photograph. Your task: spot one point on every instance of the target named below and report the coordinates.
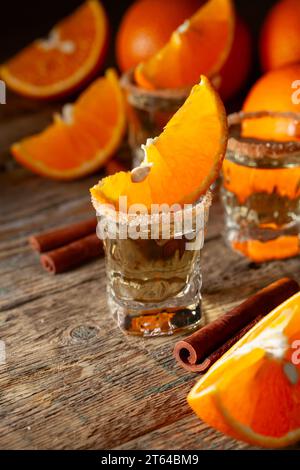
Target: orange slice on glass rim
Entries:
(180, 164)
(82, 138)
(72, 53)
(253, 392)
(200, 45)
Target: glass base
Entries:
(156, 322)
(260, 247)
(265, 227)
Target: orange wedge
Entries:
(74, 50)
(253, 392)
(183, 161)
(200, 45)
(83, 138)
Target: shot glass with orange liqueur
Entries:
(261, 186)
(153, 238)
(153, 267)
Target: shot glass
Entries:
(261, 188)
(148, 112)
(153, 267)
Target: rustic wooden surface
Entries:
(72, 380)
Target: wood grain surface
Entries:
(72, 380)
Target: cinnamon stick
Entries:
(72, 255)
(62, 236)
(199, 351)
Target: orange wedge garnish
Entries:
(83, 138)
(184, 160)
(73, 51)
(200, 46)
(253, 392)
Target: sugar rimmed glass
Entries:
(261, 190)
(153, 267)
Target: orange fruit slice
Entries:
(74, 50)
(200, 45)
(83, 138)
(253, 392)
(182, 162)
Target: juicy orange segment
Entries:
(73, 51)
(200, 46)
(83, 138)
(185, 159)
(253, 392)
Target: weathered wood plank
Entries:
(19, 118)
(72, 379)
(187, 433)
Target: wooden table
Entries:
(72, 380)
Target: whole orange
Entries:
(277, 90)
(280, 37)
(237, 67)
(146, 27)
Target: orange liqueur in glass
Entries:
(261, 195)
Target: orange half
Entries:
(73, 51)
(253, 392)
(184, 160)
(200, 45)
(83, 138)
(274, 91)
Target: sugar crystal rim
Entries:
(113, 215)
(127, 83)
(258, 148)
